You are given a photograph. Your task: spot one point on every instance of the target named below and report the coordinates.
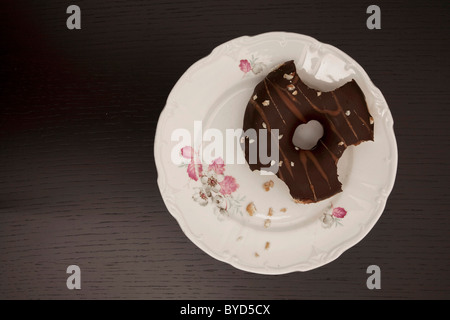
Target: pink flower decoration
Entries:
(339, 212)
(245, 66)
(228, 185)
(187, 152)
(193, 169)
(217, 165)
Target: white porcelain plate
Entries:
(209, 200)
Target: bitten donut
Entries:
(282, 101)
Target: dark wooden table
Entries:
(78, 112)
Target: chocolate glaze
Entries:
(282, 101)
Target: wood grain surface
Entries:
(78, 112)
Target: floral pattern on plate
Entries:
(216, 188)
(333, 216)
(251, 65)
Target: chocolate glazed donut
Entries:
(282, 101)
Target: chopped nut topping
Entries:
(266, 103)
(272, 162)
(251, 140)
(251, 209)
(283, 209)
(255, 97)
(289, 76)
(280, 136)
(270, 212)
(292, 163)
(295, 93)
(341, 143)
(280, 163)
(267, 185)
(297, 148)
(256, 254)
(319, 93)
(371, 120)
(267, 223)
(264, 125)
(242, 139)
(347, 113)
(290, 87)
(267, 245)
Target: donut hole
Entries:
(307, 135)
